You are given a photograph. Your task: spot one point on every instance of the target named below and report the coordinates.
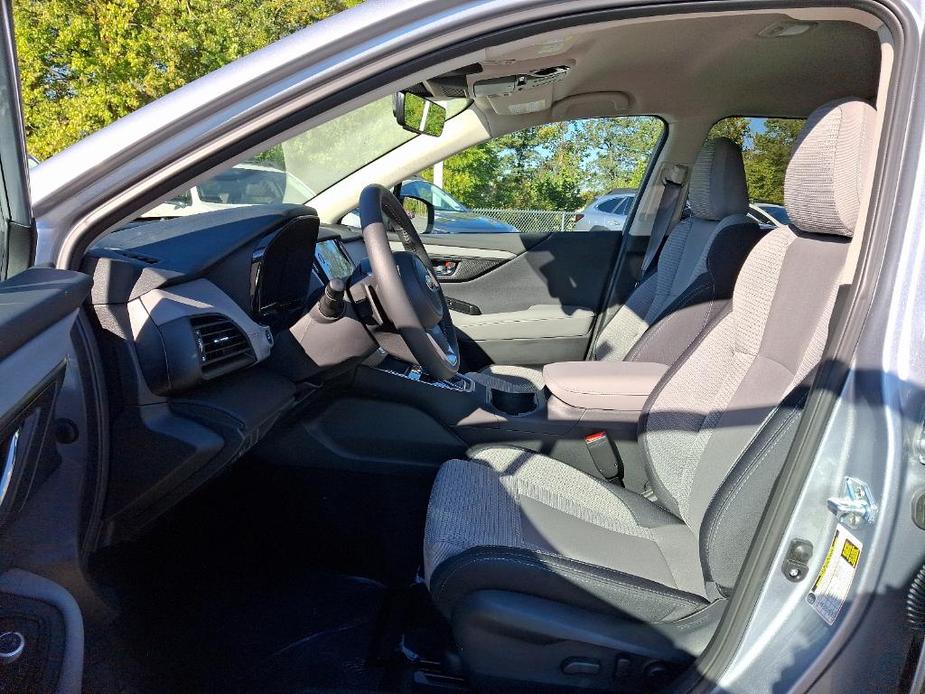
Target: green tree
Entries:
(86, 63)
(558, 166)
(766, 161)
(736, 128)
(620, 149)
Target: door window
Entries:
(15, 207)
(543, 179)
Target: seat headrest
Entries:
(718, 187)
(828, 170)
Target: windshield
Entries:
(433, 194)
(299, 168)
(253, 186)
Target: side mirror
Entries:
(420, 211)
(418, 115)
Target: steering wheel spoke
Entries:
(443, 344)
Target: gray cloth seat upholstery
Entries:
(548, 523)
(714, 433)
(689, 285)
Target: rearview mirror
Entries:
(420, 212)
(419, 115)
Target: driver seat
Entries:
(551, 576)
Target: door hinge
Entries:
(856, 507)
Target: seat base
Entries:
(513, 642)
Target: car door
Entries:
(524, 284)
(41, 633)
(524, 298)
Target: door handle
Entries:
(9, 464)
(445, 268)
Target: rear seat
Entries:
(689, 285)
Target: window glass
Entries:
(548, 178)
(439, 198)
(766, 145)
(625, 204)
(307, 164)
(779, 212)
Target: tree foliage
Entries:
(85, 63)
(559, 166)
(766, 146)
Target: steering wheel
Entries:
(406, 285)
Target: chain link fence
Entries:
(532, 220)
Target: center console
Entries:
(586, 415)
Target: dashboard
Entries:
(193, 316)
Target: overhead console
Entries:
(510, 87)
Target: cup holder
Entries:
(513, 403)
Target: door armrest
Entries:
(536, 322)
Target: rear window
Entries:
(767, 144)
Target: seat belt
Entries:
(674, 183)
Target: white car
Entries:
(243, 184)
(608, 212)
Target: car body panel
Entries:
(596, 215)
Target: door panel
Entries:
(39, 620)
(524, 298)
(37, 310)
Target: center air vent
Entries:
(223, 346)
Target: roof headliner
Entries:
(707, 66)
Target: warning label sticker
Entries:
(831, 588)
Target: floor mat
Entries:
(234, 593)
(243, 634)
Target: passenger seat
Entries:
(690, 284)
(526, 555)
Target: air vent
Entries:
(223, 346)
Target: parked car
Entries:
(772, 212)
(450, 215)
(243, 184)
(608, 212)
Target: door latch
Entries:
(856, 507)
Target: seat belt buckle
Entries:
(604, 456)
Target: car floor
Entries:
(263, 582)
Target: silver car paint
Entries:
(111, 174)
